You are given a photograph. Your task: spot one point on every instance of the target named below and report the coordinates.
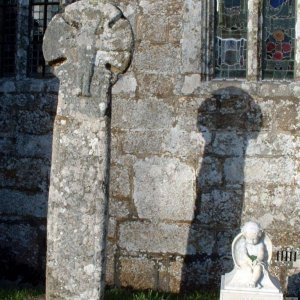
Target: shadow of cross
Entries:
(88, 46)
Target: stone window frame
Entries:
(254, 37)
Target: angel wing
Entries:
(239, 251)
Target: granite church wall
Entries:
(27, 111)
(192, 159)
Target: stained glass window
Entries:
(231, 38)
(42, 11)
(279, 39)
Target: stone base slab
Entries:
(247, 295)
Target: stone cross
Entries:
(88, 46)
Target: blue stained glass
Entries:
(276, 3)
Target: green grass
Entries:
(113, 294)
(119, 294)
(15, 294)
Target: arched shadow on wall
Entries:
(28, 119)
(293, 286)
(227, 120)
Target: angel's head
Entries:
(252, 232)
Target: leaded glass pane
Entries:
(279, 39)
(42, 11)
(231, 39)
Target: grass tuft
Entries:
(113, 294)
(120, 294)
(15, 294)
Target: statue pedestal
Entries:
(247, 293)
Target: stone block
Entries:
(48, 103)
(119, 176)
(186, 145)
(8, 119)
(191, 31)
(267, 110)
(52, 85)
(228, 143)
(38, 146)
(159, 85)
(175, 28)
(191, 83)
(7, 86)
(138, 273)
(157, 58)
(154, 238)
(164, 189)
(152, 28)
(110, 264)
(197, 272)
(221, 207)
(118, 208)
(269, 144)
(35, 122)
(210, 172)
(112, 228)
(161, 7)
(32, 174)
(7, 145)
(21, 204)
(126, 85)
(272, 206)
(187, 113)
(143, 142)
(145, 114)
(175, 275)
(8, 171)
(270, 170)
(36, 85)
(234, 170)
(163, 276)
(28, 101)
(287, 115)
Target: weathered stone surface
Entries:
(20, 204)
(94, 43)
(120, 176)
(38, 146)
(164, 189)
(110, 264)
(157, 58)
(118, 208)
(160, 238)
(125, 85)
(137, 272)
(149, 237)
(190, 37)
(270, 170)
(144, 114)
(36, 122)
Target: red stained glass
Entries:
(279, 37)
